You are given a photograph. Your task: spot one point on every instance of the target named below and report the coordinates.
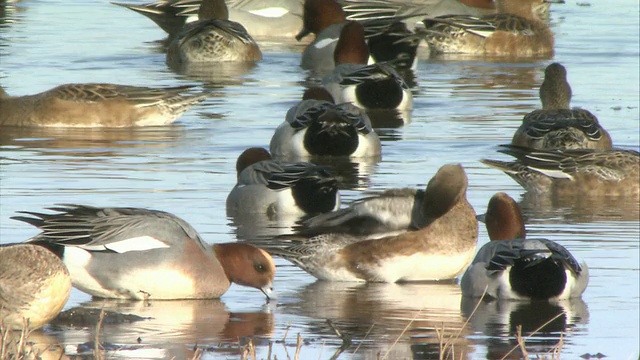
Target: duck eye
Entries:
(259, 268)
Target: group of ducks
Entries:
(398, 235)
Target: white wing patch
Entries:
(140, 243)
(325, 42)
(271, 12)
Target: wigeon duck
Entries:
(318, 127)
(371, 87)
(557, 126)
(277, 18)
(212, 39)
(133, 253)
(441, 249)
(34, 286)
(390, 211)
(268, 19)
(274, 187)
(96, 105)
(513, 267)
(515, 30)
(573, 172)
(412, 11)
(325, 19)
(170, 15)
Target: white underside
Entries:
(138, 283)
(417, 267)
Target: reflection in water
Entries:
(353, 173)
(173, 328)
(382, 118)
(224, 73)
(412, 313)
(256, 226)
(89, 142)
(580, 209)
(496, 83)
(46, 343)
(497, 320)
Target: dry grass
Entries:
(16, 347)
(446, 338)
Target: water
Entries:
(463, 109)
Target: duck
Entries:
(273, 187)
(370, 87)
(515, 30)
(268, 19)
(212, 39)
(317, 126)
(325, 19)
(557, 126)
(391, 211)
(277, 18)
(440, 249)
(34, 286)
(510, 266)
(144, 254)
(412, 12)
(572, 172)
(169, 15)
(97, 105)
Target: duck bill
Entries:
(268, 291)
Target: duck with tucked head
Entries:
(557, 126)
(572, 172)
(272, 187)
(212, 39)
(513, 267)
(34, 286)
(275, 18)
(319, 127)
(370, 87)
(516, 30)
(134, 253)
(440, 248)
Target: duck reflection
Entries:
(518, 79)
(375, 315)
(220, 74)
(90, 142)
(382, 118)
(258, 226)
(171, 329)
(353, 173)
(42, 344)
(580, 209)
(9, 11)
(498, 320)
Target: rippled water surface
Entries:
(463, 109)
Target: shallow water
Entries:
(463, 109)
